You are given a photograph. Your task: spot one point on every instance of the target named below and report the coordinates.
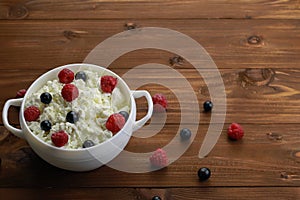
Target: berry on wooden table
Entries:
(21, 93)
(160, 102)
(156, 198)
(207, 106)
(204, 173)
(235, 131)
(185, 134)
(159, 158)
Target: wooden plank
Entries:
(252, 95)
(46, 44)
(264, 193)
(258, 61)
(268, 155)
(122, 9)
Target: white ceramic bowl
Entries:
(79, 159)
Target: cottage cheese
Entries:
(92, 106)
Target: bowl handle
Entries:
(143, 93)
(11, 102)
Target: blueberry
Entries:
(72, 117)
(185, 134)
(87, 144)
(125, 114)
(80, 75)
(156, 198)
(203, 173)
(46, 98)
(46, 125)
(207, 106)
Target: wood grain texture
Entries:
(252, 95)
(157, 9)
(46, 44)
(256, 46)
(267, 156)
(276, 193)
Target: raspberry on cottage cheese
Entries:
(83, 116)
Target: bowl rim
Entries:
(56, 70)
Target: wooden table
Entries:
(256, 46)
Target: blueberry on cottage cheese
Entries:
(46, 125)
(125, 114)
(72, 117)
(81, 75)
(46, 98)
(87, 144)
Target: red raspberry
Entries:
(31, 113)
(235, 131)
(66, 76)
(60, 138)
(159, 158)
(21, 93)
(115, 122)
(69, 92)
(160, 102)
(108, 83)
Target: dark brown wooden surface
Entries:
(149, 9)
(256, 46)
(145, 193)
(67, 41)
